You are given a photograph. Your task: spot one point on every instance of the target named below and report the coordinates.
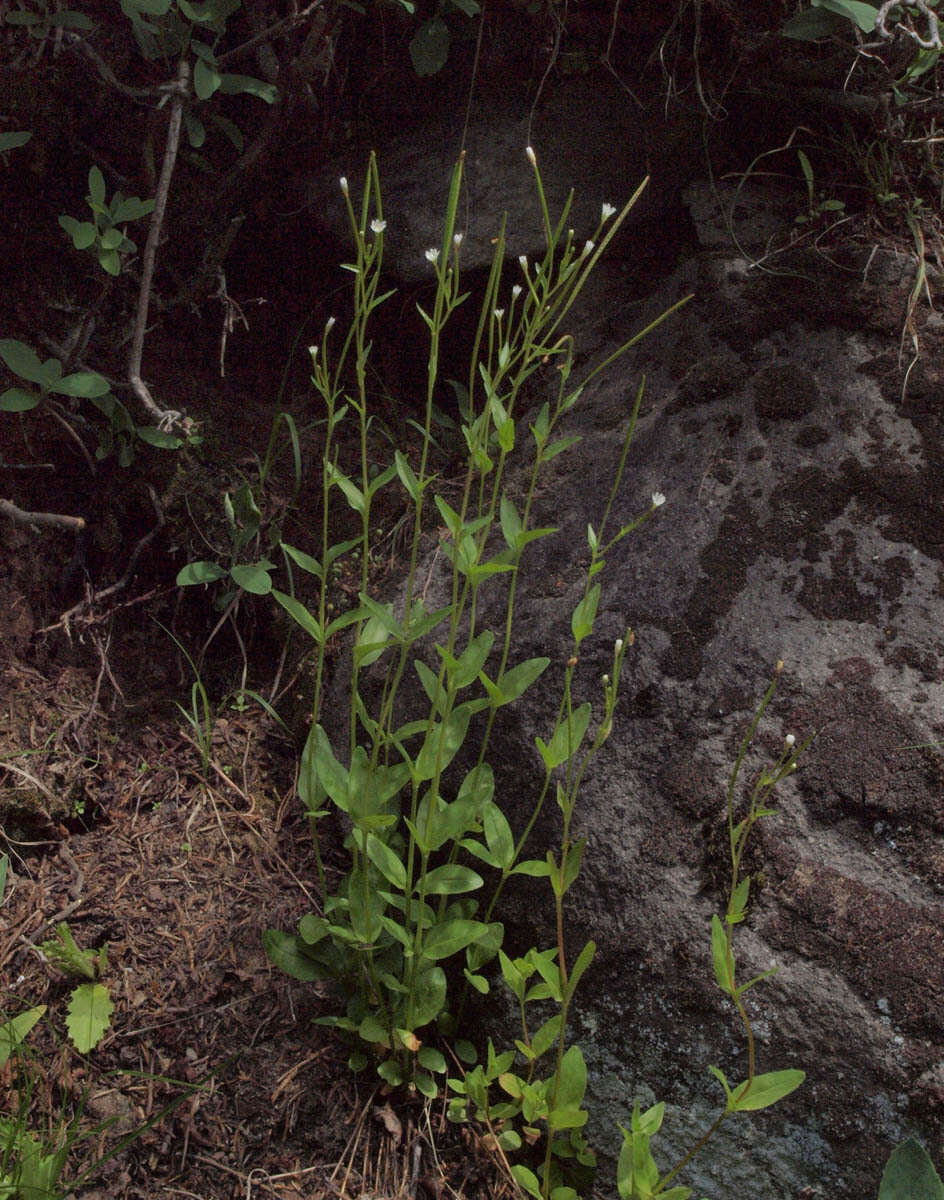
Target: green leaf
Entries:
(466, 668)
(720, 952)
(858, 13)
(431, 1059)
(24, 361)
(764, 1090)
(253, 577)
(510, 522)
(18, 400)
(303, 560)
(498, 836)
(449, 937)
(386, 862)
(429, 47)
(300, 615)
(109, 261)
(435, 692)
(429, 995)
(196, 130)
(584, 959)
(407, 476)
(910, 1175)
(96, 182)
(451, 879)
(14, 1031)
(572, 1085)
(581, 622)
(566, 739)
(444, 739)
(517, 681)
(230, 130)
(12, 141)
(89, 1015)
(200, 572)
(111, 239)
(86, 384)
(161, 439)
(527, 1179)
(131, 209)
(230, 85)
(331, 775)
(205, 80)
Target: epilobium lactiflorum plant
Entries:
(415, 922)
(423, 843)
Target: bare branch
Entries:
(165, 419)
(57, 520)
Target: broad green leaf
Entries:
(432, 1059)
(464, 669)
(96, 182)
(764, 1090)
(435, 692)
(572, 1085)
(859, 13)
(527, 1179)
(451, 879)
(89, 1015)
(23, 361)
(110, 262)
(721, 957)
(111, 239)
(131, 209)
(449, 937)
(429, 995)
(584, 959)
(510, 522)
(303, 560)
(83, 383)
(429, 47)
(444, 739)
(355, 497)
(407, 476)
(18, 400)
(581, 622)
(331, 775)
(371, 1030)
(205, 79)
(162, 439)
(546, 1036)
(498, 836)
(425, 1085)
(14, 1031)
(386, 862)
(230, 85)
(200, 572)
(910, 1175)
(230, 130)
(566, 739)
(83, 233)
(12, 141)
(196, 130)
(567, 1118)
(313, 929)
(738, 902)
(301, 615)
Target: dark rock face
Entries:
(805, 522)
(584, 133)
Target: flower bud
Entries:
(343, 182)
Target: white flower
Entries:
(457, 239)
(657, 499)
(432, 255)
(523, 260)
(587, 248)
(377, 226)
(618, 646)
(606, 681)
(313, 351)
(329, 324)
(790, 740)
(498, 313)
(607, 211)
(343, 182)
(516, 291)
(532, 157)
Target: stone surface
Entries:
(585, 135)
